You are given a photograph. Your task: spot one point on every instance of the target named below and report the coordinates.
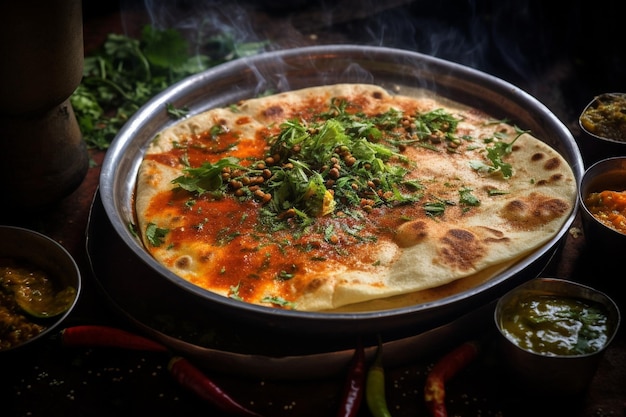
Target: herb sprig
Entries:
(495, 154)
(127, 72)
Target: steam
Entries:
(465, 32)
(511, 40)
(200, 20)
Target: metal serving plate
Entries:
(163, 312)
(397, 70)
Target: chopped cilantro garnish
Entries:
(207, 177)
(176, 113)
(467, 198)
(279, 301)
(155, 235)
(493, 191)
(495, 155)
(434, 208)
(234, 292)
(284, 276)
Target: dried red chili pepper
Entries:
(105, 336)
(375, 394)
(444, 370)
(354, 385)
(190, 377)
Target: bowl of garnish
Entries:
(39, 286)
(603, 209)
(603, 127)
(553, 334)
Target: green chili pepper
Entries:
(375, 386)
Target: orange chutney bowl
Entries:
(603, 204)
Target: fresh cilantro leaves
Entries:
(495, 154)
(155, 234)
(207, 177)
(175, 112)
(126, 72)
(467, 198)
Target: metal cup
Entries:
(550, 375)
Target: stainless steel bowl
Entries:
(398, 70)
(39, 251)
(595, 143)
(607, 174)
(559, 374)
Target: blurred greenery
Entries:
(125, 73)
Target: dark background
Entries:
(563, 54)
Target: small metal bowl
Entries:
(538, 371)
(606, 174)
(598, 141)
(33, 251)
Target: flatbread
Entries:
(473, 200)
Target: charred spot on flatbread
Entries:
(533, 211)
(314, 284)
(461, 249)
(552, 164)
(551, 180)
(183, 262)
(273, 112)
(411, 233)
(495, 236)
(537, 156)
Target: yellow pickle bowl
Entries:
(603, 127)
(553, 334)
